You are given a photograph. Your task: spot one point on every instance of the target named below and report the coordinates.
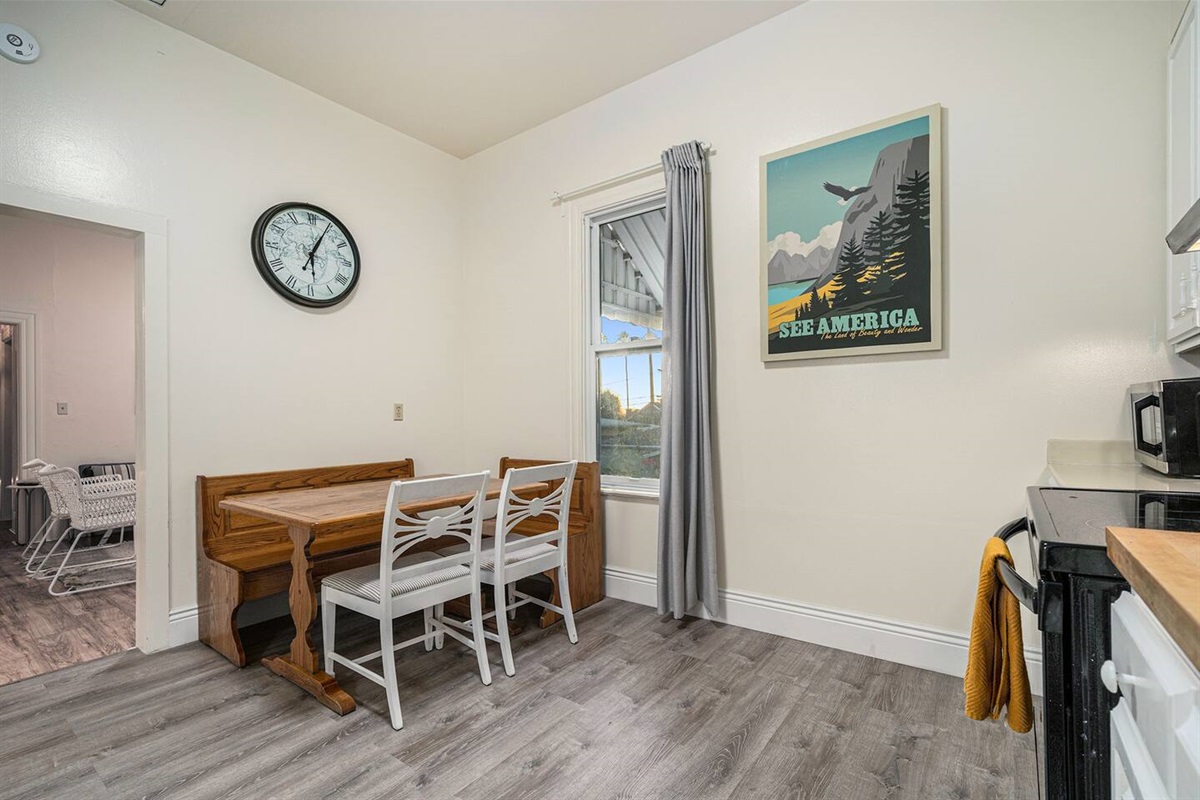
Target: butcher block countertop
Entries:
(1163, 567)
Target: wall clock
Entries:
(305, 254)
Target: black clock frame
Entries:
(268, 275)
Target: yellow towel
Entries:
(996, 674)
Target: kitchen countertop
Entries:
(1163, 567)
(1107, 464)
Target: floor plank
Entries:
(41, 634)
(643, 707)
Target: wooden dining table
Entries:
(309, 515)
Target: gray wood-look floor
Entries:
(40, 633)
(643, 707)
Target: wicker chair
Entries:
(35, 559)
(100, 507)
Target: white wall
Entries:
(79, 283)
(868, 483)
(124, 111)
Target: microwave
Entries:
(1166, 425)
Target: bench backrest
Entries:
(221, 532)
(585, 496)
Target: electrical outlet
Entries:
(398, 412)
(62, 409)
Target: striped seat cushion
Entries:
(124, 470)
(487, 556)
(364, 581)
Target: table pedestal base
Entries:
(319, 684)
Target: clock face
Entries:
(306, 254)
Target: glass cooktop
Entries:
(1080, 516)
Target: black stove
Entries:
(1076, 584)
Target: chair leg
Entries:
(428, 629)
(502, 631)
(36, 539)
(389, 670)
(38, 543)
(485, 671)
(564, 598)
(440, 614)
(328, 626)
(40, 570)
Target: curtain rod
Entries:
(558, 198)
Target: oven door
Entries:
(1055, 761)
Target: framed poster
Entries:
(851, 236)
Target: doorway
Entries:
(9, 416)
(67, 585)
(148, 235)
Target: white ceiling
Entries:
(463, 75)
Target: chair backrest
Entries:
(585, 495)
(552, 509)
(427, 518)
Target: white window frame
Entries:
(586, 214)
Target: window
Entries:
(625, 291)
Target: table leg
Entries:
(302, 664)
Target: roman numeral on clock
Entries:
(276, 264)
(341, 278)
(291, 281)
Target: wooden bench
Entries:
(585, 531)
(241, 558)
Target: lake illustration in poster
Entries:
(851, 238)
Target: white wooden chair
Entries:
(103, 507)
(514, 556)
(402, 584)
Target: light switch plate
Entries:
(398, 412)
(62, 409)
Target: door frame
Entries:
(26, 324)
(151, 336)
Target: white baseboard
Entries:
(888, 639)
(183, 626)
(184, 623)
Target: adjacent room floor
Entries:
(643, 707)
(40, 634)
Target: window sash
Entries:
(597, 349)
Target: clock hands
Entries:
(308, 261)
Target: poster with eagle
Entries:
(851, 242)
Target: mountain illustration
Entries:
(891, 166)
(786, 267)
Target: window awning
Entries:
(631, 278)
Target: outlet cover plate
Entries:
(398, 412)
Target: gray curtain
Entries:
(687, 536)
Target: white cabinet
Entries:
(1155, 726)
(1183, 178)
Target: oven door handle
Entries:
(1025, 592)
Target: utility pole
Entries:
(650, 364)
(626, 360)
